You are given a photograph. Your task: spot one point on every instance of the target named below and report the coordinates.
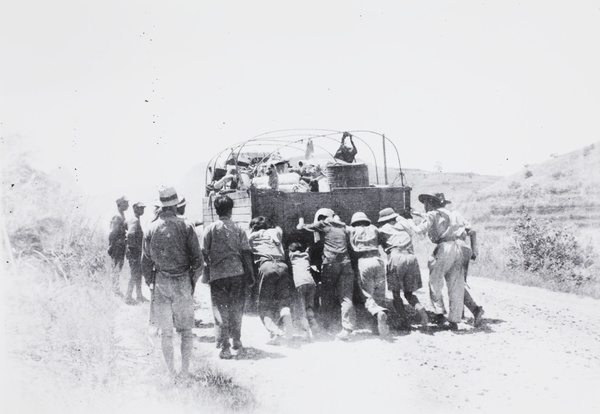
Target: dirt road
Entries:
(537, 351)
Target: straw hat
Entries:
(387, 214)
(168, 196)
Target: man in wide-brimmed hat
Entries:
(135, 238)
(171, 264)
(403, 273)
(117, 243)
(337, 275)
(446, 261)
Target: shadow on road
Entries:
(255, 354)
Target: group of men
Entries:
(231, 261)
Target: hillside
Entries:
(565, 188)
(455, 186)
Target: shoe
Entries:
(225, 353)
(453, 326)
(130, 301)
(382, 325)
(142, 299)
(439, 319)
(478, 317)
(424, 318)
(344, 335)
(237, 344)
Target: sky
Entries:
(126, 93)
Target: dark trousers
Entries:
(336, 294)
(118, 259)
(135, 281)
(227, 296)
(274, 293)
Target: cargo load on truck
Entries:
(290, 174)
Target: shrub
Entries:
(528, 173)
(544, 247)
(514, 185)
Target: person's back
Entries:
(224, 242)
(396, 236)
(364, 239)
(266, 244)
(335, 239)
(170, 237)
(301, 268)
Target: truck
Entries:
(274, 174)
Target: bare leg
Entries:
(167, 348)
(187, 345)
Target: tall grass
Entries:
(496, 261)
(64, 327)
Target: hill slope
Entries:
(566, 188)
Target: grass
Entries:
(66, 339)
(493, 262)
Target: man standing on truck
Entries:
(172, 263)
(229, 270)
(337, 275)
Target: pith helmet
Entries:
(387, 214)
(327, 212)
(358, 217)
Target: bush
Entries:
(544, 247)
(528, 173)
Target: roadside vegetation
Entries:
(64, 344)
